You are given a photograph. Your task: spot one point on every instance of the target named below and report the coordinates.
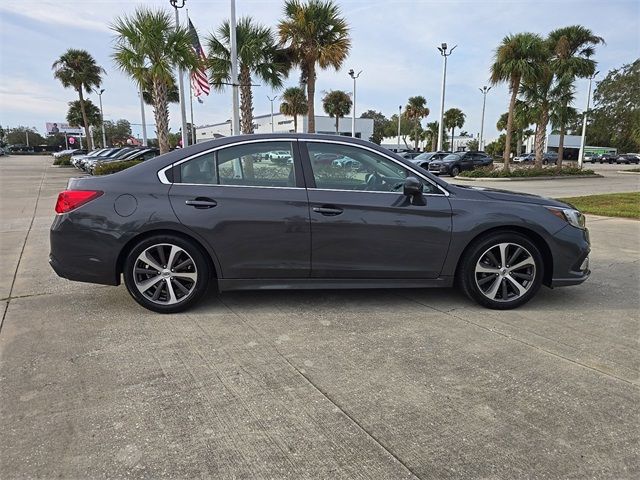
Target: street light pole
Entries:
(399, 117)
(176, 4)
(584, 124)
(271, 100)
(104, 135)
(443, 52)
(235, 114)
(353, 75)
(484, 91)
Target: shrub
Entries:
(113, 167)
(63, 160)
(519, 172)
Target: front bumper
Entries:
(571, 257)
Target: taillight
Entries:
(72, 199)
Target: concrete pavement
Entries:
(325, 384)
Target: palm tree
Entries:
(416, 110)
(315, 33)
(562, 112)
(91, 111)
(573, 48)
(337, 104)
(432, 134)
(173, 96)
(258, 57)
(149, 48)
(78, 69)
(518, 56)
(454, 117)
(294, 103)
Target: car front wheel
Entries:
(166, 273)
(501, 271)
(455, 171)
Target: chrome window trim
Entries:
(313, 140)
(235, 186)
(162, 176)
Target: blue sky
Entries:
(393, 43)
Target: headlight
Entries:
(569, 215)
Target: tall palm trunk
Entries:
(434, 143)
(515, 84)
(452, 130)
(85, 120)
(311, 92)
(519, 142)
(246, 100)
(415, 134)
(295, 123)
(541, 130)
(161, 114)
(337, 128)
(561, 145)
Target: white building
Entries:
(571, 146)
(459, 143)
(284, 124)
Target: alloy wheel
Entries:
(165, 274)
(505, 272)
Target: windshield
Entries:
(424, 156)
(452, 157)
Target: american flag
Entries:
(199, 80)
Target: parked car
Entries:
(70, 151)
(409, 155)
(174, 223)
(591, 158)
(140, 154)
(628, 158)
(454, 163)
(550, 158)
(117, 154)
(77, 158)
(547, 158)
(527, 157)
(423, 159)
(608, 158)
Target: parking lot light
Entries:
(584, 123)
(443, 52)
(484, 91)
(353, 75)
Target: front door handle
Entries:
(327, 210)
(201, 203)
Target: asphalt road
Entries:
(326, 384)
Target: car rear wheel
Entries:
(166, 273)
(455, 171)
(501, 271)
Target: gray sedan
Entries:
(211, 214)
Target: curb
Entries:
(522, 179)
(627, 172)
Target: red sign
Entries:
(72, 140)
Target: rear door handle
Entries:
(328, 211)
(201, 203)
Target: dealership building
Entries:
(284, 124)
(571, 147)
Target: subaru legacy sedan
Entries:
(211, 214)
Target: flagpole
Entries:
(183, 110)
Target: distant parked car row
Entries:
(90, 161)
(613, 158)
(547, 158)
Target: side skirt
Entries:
(324, 283)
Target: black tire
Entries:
(467, 275)
(195, 289)
(455, 171)
(545, 162)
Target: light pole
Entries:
(484, 91)
(353, 75)
(176, 4)
(142, 116)
(399, 117)
(104, 135)
(235, 114)
(271, 100)
(584, 123)
(443, 52)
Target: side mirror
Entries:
(413, 187)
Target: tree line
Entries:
(312, 34)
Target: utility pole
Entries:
(399, 117)
(443, 52)
(176, 4)
(144, 122)
(353, 75)
(104, 135)
(484, 91)
(235, 114)
(584, 123)
(271, 100)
